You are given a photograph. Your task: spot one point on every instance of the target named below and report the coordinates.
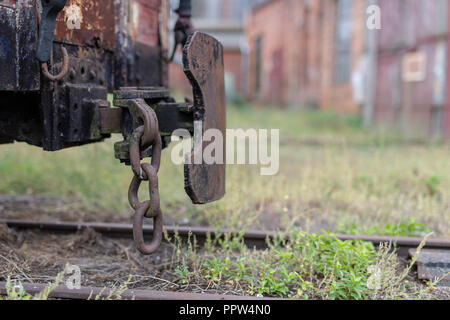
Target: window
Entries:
(342, 45)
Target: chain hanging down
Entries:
(149, 132)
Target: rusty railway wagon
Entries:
(59, 59)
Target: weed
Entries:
(307, 266)
(299, 265)
(432, 183)
(333, 176)
(411, 228)
(15, 290)
(115, 293)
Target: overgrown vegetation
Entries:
(306, 266)
(15, 290)
(405, 229)
(334, 177)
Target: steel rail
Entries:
(85, 293)
(257, 239)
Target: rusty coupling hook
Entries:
(64, 69)
(46, 22)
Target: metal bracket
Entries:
(183, 27)
(171, 116)
(50, 10)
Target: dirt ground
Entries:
(46, 208)
(31, 256)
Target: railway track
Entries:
(86, 293)
(257, 239)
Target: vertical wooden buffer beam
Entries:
(204, 66)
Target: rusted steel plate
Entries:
(137, 48)
(85, 293)
(152, 4)
(93, 22)
(19, 70)
(27, 35)
(145, 21)
(4, 140)
(8, 48)
(432, 265)
(90, 22)
(111, 120)
(203, 65)
(7, 3)
(122, 96)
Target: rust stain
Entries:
(88, 22)
(92, 22)
(144, 21)
(153, 4)
(7, 3)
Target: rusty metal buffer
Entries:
(60, 58)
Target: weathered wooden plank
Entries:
(204, 66)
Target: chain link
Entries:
(148, 132)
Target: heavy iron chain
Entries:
(143, 137)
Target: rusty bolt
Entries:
(97, 42)
(72, 73)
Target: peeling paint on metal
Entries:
(96, 23)
(73, 17)
(5, 44)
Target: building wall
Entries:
(233, 66)
(446, 111)
(411, 96)
(396, 77)
(178, 80)
(298, 54)
(334, 94)
(233, 73)
(272, 32)
(223, 19)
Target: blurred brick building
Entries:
(223, 19)
(305, 52)
(322, 53)
(412, 88)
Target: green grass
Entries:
(405, 229)
(334, 176)
(307, 266)
(346, 177)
